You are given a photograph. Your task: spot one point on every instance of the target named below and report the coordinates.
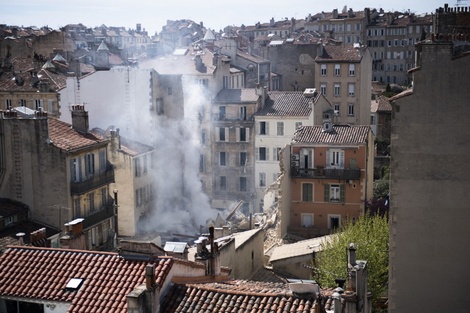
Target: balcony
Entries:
(326, 173)
(98, 217)
(98, 180)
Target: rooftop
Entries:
(340, 134)
(235, 96)
(286, 103)
(43, 274)
(339, 54)
(303, 247)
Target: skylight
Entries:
(74, 284)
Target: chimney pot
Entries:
(150, 276)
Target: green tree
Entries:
(370, 234)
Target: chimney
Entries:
(335, 13)
(80, 118)
(337, 303)
(263, 93)
(350, 13)
(115, 140)
(352, 255)
(150, 277)
(20, 238)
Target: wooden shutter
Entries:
(237, 133)
(341, 158)
(310, 158)
(327, 192)
(341, 193)
(226, 134)
(217, 134)
(247, 134)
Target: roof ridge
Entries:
(61, 250)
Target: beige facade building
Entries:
(65, 177)
(343, 76)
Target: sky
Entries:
(153, 14)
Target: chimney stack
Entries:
(150, 277)
(80, 118)
(20, 238)
(352, 255)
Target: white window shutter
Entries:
(238, 134)
(341, 159)
(258, 128)
(302, 158)
(217, 134)
(247, 134)
(226, 134)
(267, 128)
(267, 154)
(274, 154)
(257, 154)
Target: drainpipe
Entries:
(116, 225)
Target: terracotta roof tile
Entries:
(339, 135)
(236, 296)
(64, 137)
(286, 103)
(43, 273)
(339, 54)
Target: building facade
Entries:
(329, 177)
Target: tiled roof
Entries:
(235, 296)
(286, 103)
(128, 146)
(380, 105)
(339, 53)
(10, 207)
(299, 248)
(236, 96)
(338, 135)
(43, 273)
(23, 79)
(64, 137)
(244, 236)
(267, 275)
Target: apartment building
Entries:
(65, 177)
(282, 114)
(232, 159)
(32, 83)
(343, 76)
(327, 176)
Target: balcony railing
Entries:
(98, 180)
(327, 173)
(98, 217)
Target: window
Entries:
(38, 104)
(306, 158)
(334, 221)
(334, 193)
(11, 219)
(8, 104)
(22, 102)
(276, 154)
(221, 112)
(280, 128)
(306, 219)
(335, 158)
(337, 69)
(262, 179)
(336, 108)
(242, 183)
(351, 88)
(307, 192)
(89, 164)
(372, 120)
(337, 89)
(138, 197)
(145, 164)
(243, 113)
(91, 198)
(221, 133)
(159, 106)
(352, 69)
(298, 125)
(137, 168)
(75, 169)
(203, 137)
(242, 134)
(263, 128)
(201, 163)
(243, 158)
(51, 106)
(263, 154)
(323, 88)
(350, 109)
(223, 158)
(225, 82)
(323, 69)
(223, 183)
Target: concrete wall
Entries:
(249, 256)
(429, 214)
(295, 266)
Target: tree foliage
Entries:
(370, 234)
